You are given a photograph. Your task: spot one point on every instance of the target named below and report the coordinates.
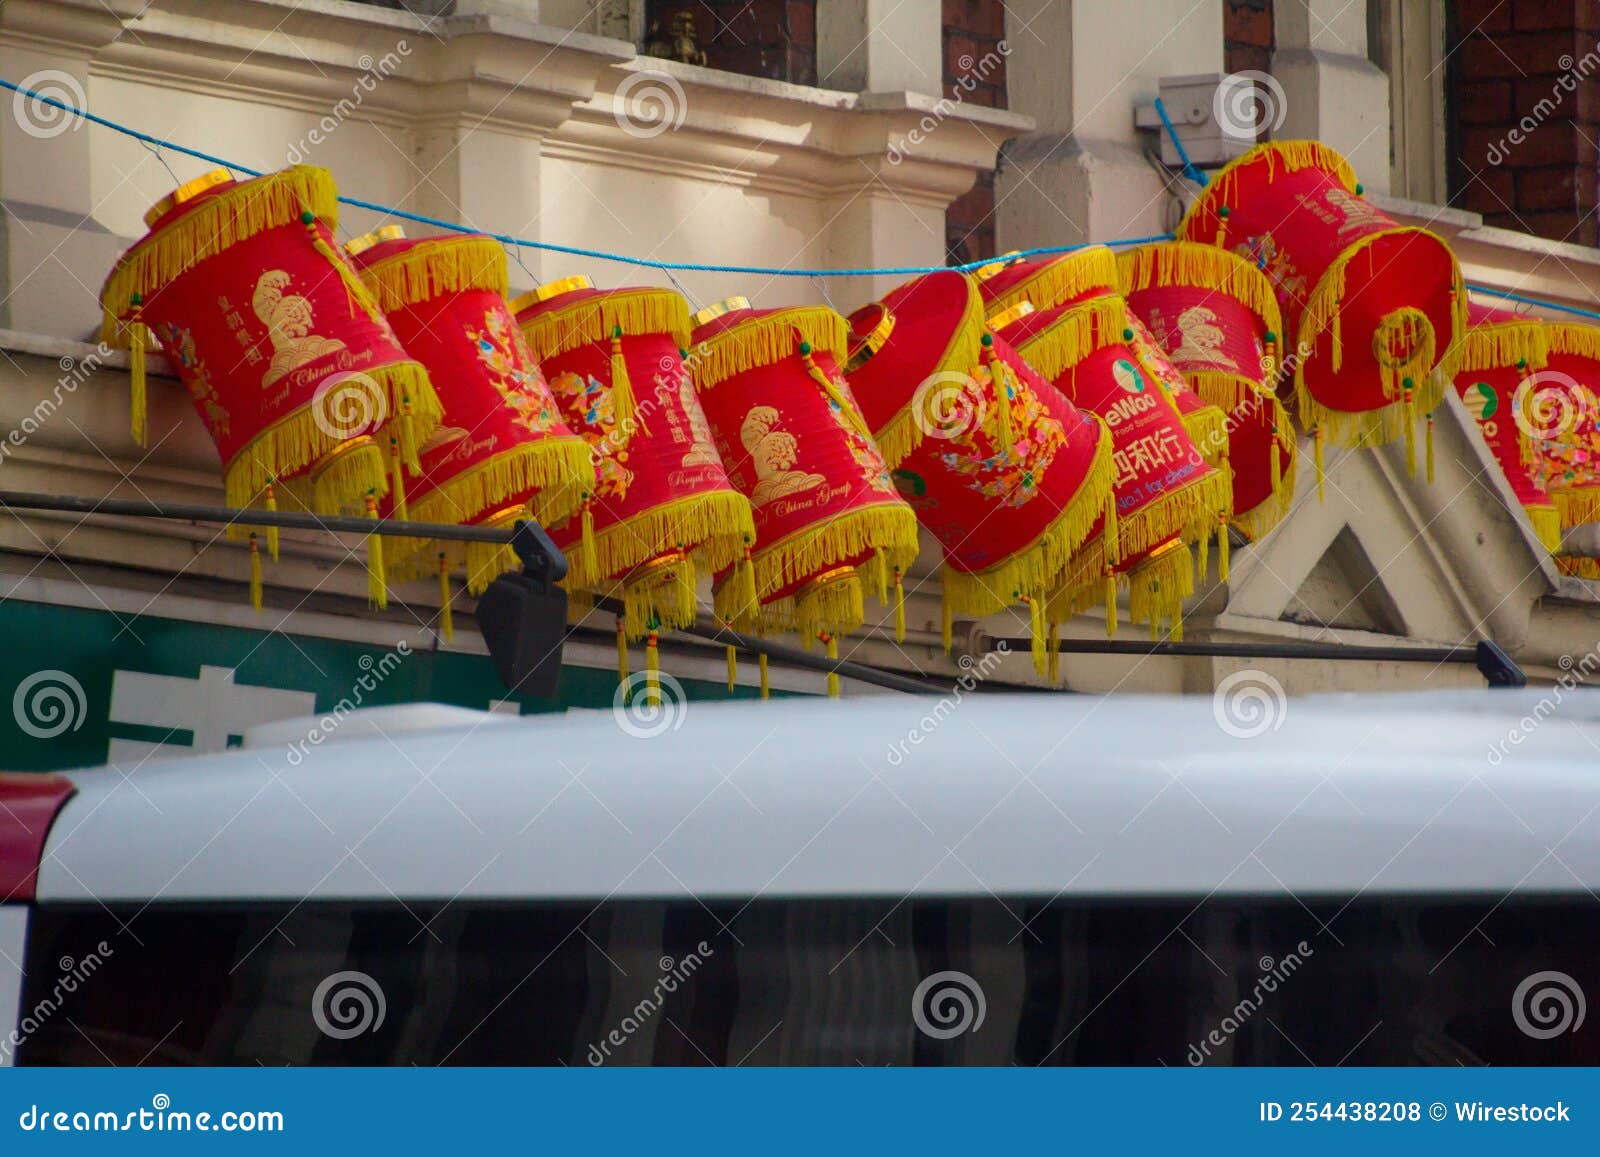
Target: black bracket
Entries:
(1498, 668)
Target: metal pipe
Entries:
(16, 500)
(1220, 650)
(1497, 668)
(706, 628)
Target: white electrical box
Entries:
(1216, 116)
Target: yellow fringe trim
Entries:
(560, 470)
(1037, 567)
(1546, 522)
(1158, 586)
(887, 532)
(717, 525)
(903, 433)
(1289, 156)
(1501, 344)
(1198, 266)
(1077, 333)
(299, 441)
(436, 266)
(1577, 340)
(761, 341)
(1230, 392)
(1577, 506)
(834, 606)
(214, 225)
(1584, 568)
(592, 321)
(1207, 427)
(1062, 278)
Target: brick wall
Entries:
(1247, 37)
(776, 39)
(974, 70)
(1526, 146)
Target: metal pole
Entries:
(16, 500)
(706, 628)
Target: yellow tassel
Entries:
(591, 562)
(946, 626)
(1111, 603)
(652, 670)
(1430, 446)
(1222, 549)
(409, 448)
(272, 531)
(355, 289)
(1039, 635)
(1053, 673)
(447, 623)
(1109, 530)
(1221, 240)
(847, 410)
(766, 687)
(733, 668)
(623, 407)
(622, 651)
(881, 567)
(377, 585)
(397, 484)
(1317, 438)
(832, 644)
(255, 572)
(1277, 464)
(1409, 402)
(1205, 553)
(999, 385)
(138, 416)
(899, 607)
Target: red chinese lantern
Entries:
(830, 524)
(292, 367)
(1047, 282)
(1004, 471)
(1377, 310)
(502, 451)
(1067, 278)
(1502, 351)
(1561, 409)
(1215, 316)
(1166, 493)
(662, 509)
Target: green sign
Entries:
(87, 686)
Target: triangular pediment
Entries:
(1385, 554)
(1344, 590)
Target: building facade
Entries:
(782, 134)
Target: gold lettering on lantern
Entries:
(1357, 214)
(701, 451)
(288, 319)
(1200, 338)
(773, 452)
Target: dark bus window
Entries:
(813, 982)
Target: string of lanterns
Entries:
(1061, 428)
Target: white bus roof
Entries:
(1041, 795)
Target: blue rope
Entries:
(569, 250)
(1508, 296)
(696, 267)
(1189, 170)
